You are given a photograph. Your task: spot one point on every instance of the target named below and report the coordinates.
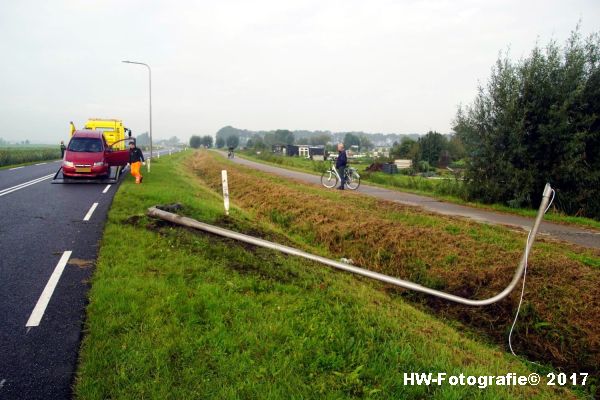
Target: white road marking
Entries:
(12, 169)
(24, 185)
(42, 163)
(106, 188)
(42, 303)
(89, 214)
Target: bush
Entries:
(536, 121)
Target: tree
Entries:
(365, 143)
(173, 141)
(220, 143)
(195, 142)
(232, 141)
(456, 148)
(206, 141)
(320, 139)
(351, 140)
(536, 121)
(431, 147)
(142, 140)
(406, 150)
(283, 136)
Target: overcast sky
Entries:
(348, 65)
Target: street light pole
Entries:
(150, 101)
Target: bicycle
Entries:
(331, 177)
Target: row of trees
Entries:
(197, 141)
(537, 120)
(430, 150)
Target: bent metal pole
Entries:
(177, 219)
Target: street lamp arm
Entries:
(138, 63)
(150, 100)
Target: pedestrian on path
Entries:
(136, 159)
(340, 164)
(62, 149)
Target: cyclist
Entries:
(230, 153)
(340, 164)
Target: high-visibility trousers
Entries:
(135, 171)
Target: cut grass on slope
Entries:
(441, 189)
(183, 315)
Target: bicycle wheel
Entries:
(329, 179)
(353, 180)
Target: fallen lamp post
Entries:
(192, 223)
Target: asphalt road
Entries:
(572, 234)
(39, 222)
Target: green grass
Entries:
(448, 190)
(178, 314)
(17, 156)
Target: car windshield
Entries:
(87, 145)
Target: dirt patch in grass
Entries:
(83, 264)
(558, 322)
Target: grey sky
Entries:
(376, 66)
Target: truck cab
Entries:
(113, 129)
(89, 155)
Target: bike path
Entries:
(572, 234)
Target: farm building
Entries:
(301, 150)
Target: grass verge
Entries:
(179, 314)
(441, 189)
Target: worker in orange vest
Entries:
(136, 159)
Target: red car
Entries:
(89, 156)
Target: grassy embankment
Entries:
(557, 323)
(16, 156)
(448, 189)
(180, 314)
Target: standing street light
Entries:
(150, 94)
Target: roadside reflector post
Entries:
(148, 164)
(158, 154)
(225, 191)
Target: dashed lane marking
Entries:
(42, 303)
(89, 213)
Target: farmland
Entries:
(13, 156)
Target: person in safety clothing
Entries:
(136, 158)
(62, 149)
(341, 164)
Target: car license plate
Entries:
(83, 169)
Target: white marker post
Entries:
(225, 191)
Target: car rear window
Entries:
(87, 145)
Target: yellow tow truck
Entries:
(113, 129)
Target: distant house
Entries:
(381, 152)
(279, 149)
(403, 164)
(300, 150)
